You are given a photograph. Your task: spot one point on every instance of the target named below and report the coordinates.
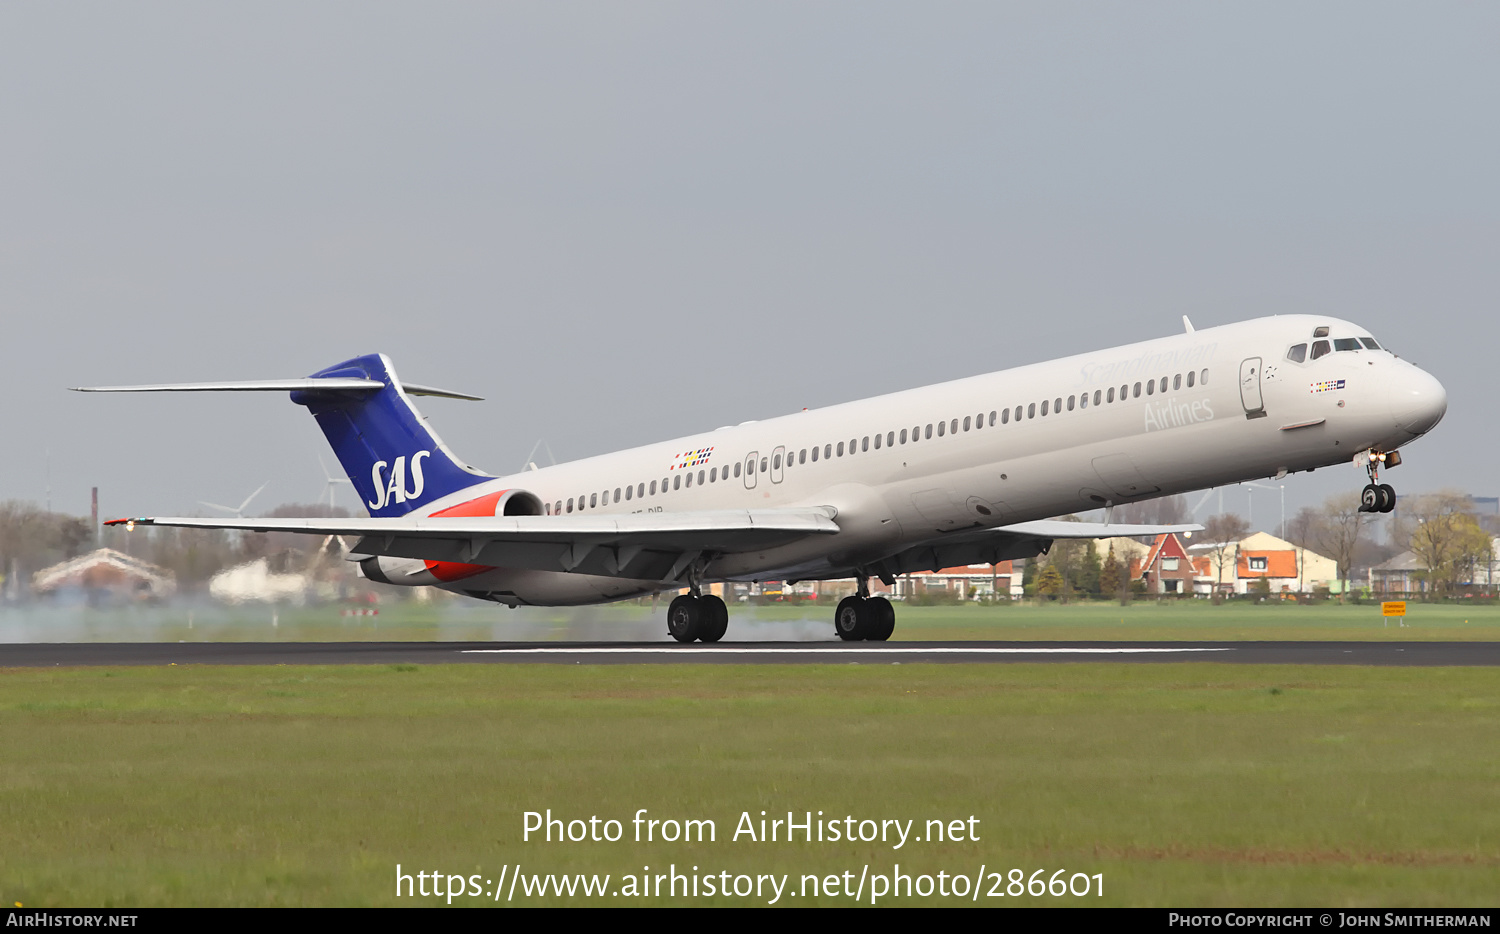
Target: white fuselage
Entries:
(915, 466)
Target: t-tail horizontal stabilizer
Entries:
(393, 459)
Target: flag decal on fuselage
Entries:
(695, 458)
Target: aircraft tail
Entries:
(395, 461)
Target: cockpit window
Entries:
(1298, 353)
(1320, 348)
(1346, 343)
(1369, 343)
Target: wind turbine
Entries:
(238, 511)
(331, 482)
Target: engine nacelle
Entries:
(418, 572)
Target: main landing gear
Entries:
(693, 617)
(863, 618)
(1377, 496)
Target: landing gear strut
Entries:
(1377, 496)
(864, 618)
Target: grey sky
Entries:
(623, 222)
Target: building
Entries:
(1262, 556)
(1167, 567)
(105, 576)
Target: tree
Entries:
(1444, 536)
(1049, 582)
(1338, 531)
(1300, 532)
(1111, 576)
(1164, 510)
(1225, 532)
(32, 538)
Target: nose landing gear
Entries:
(1377, 496)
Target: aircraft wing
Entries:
(654, 545)
(1054, 528)
(1021, 540)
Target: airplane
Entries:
(962, 472)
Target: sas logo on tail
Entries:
(394, 490)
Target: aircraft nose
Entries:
(1418, 400)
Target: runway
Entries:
(35, 655)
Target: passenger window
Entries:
(1125, 391)
(1203, 377)
(992, 418)
(841, 449)
(593, 500)
(736, 472)
(700, 478)
(802, 455)
(1018, 413)
(853, 445)
(903, 436)
(878, 440)
(1057, 404)
(1319, 349)
(1137, 390)
(690, 479)
(776, 462)
(864, 444)
(928, 434)
(1150, 386)
(677, 482)
(713, 477)
(763, 462)
(1083, 401)
(629, 493)
(1070, 403)
(827, 451)
(1031, 410)
(1177, 382)
(640, 491)
(1191, 374)
(942, 428)
(653, 487)
(570, 504)
(890, 439)
(1111, 396)
(1044, 408)
(966, 423)
(1005, 416)
(617, 494)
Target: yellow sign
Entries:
(1393, 608)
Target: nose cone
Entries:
(1418, 401)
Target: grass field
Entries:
(470, 620)
(1180, 785)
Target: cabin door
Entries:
(1255, 407)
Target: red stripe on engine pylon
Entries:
(447, 571)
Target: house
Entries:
(105, 576)
(1167, 567)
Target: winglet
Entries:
(1187, 326)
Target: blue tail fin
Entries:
(394, 460)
